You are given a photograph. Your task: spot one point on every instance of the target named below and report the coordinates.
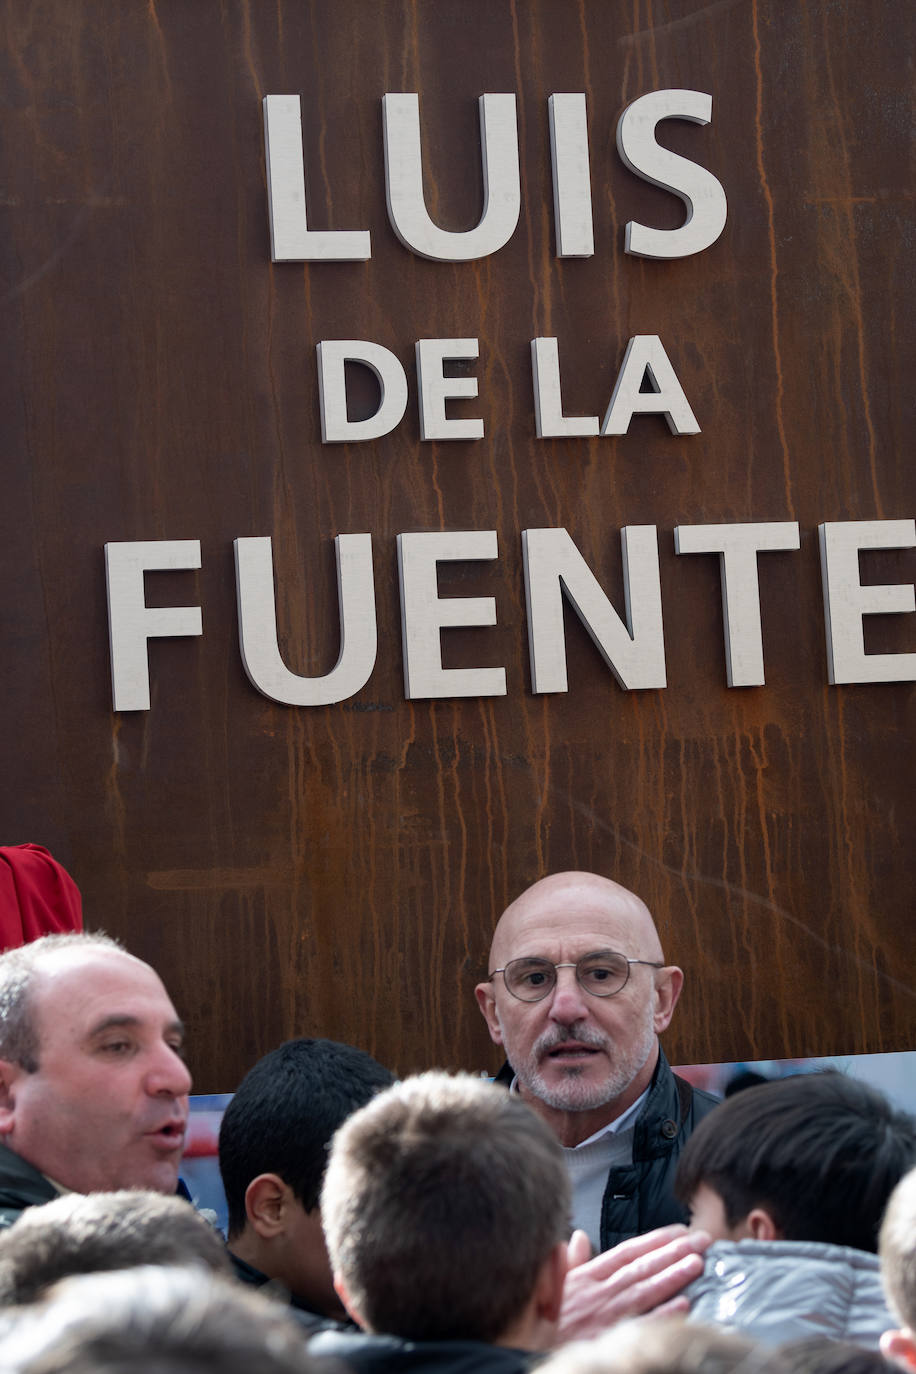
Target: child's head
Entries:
(814, 1157)
(897, 1248)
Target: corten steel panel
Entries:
(337, 871)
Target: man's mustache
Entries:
(578, 1031)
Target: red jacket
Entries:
(37, 896)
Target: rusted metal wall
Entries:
(337, 870)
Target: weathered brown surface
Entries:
(337, 871)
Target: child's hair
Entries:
(665, 1345)
(897, 1248)
(821, 1152)
(824, 1355)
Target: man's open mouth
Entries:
(171, 1135)
(572, 1049)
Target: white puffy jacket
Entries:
(785, 1290)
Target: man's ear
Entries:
(9, 1074)
(265, 1197)
(900, 1347)
(487, 1003)
(759, 1225)
(548, 1292)
(340, 1288)
(668, 984)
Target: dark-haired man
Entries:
(791, 1179)
(93, 1085)
(273, 1150)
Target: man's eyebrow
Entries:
(125, 1021)
(116, 1019)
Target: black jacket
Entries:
(306, 1316)
(21, 1186)
(366, 1353)
(639, 1197)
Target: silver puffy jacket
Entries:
(784, 1290)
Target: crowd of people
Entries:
(588, 1212)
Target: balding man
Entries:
(577, 995)
(93, 1086)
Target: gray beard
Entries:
(572, 1093)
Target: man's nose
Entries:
(568, 1002)
(168, 1074)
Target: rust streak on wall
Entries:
(338, 870)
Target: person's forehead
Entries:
(568, 920)
(80, 986)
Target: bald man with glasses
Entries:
(577, 994)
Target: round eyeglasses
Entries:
(602, 973)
